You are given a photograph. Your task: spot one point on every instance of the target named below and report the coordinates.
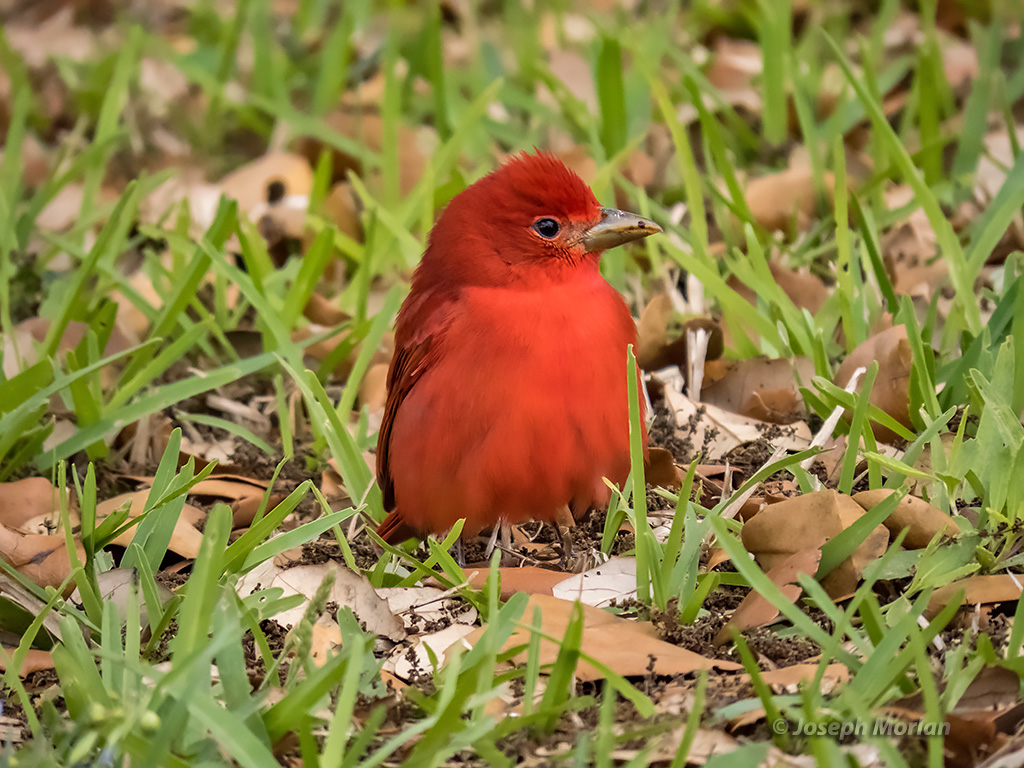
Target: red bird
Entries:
(507, 392)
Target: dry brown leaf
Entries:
(994, 690)
(419, 606)
(412, 657)
(661, 352)
(995, 588)
(529, 579)
(717, 431)
(921, 282)
(373, 388)
(988, 709)
(321, 349)
(349, 590)
(24, 500)
(243, 511)
(802, 522)
(229, 487)
(367, 127)
(57, 35)
(132, 321)
(972, 738)
(891, 391)
(761, 388)
(267, 181)
(34, 661)
(342, 209)
(326, 638)
(21, 344)
(652, 328)
(576, 75)
(804, 289)
(660, 469)
(912, 241)
(612, 580)
(185, 539)
(734, 64)
(791, 677)
(959, 62)
(323, 311)
(330, 481)
(65, 207)
(923, 520)
(624, 646)
(756, 610)
(706, 743)
(716, 556)
(780, 200)
(42, 559)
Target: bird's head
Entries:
(531, 219)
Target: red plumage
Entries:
(507, 392)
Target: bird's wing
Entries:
(418, 336)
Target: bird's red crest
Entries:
(486, 232)
(544, 184)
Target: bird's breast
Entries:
(525, 409)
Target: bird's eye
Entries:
(547, 228)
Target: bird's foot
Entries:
(501, 539)
(566, 560)
(458, 553)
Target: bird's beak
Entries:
(615, 228)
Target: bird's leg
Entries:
(565, 522)
(491, 542)
(458, 553)
(508, 555)
(501, 537)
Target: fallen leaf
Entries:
(790, 678)
(57, 35)
(716, 431)
(800, 523)
(419, 606)
(350, 590)
(115, 587)
(326, 637)
(759, 387)
(185, 539)
(994, 588)
(24, 500)
(755, 610)
(34, 661)
(661, 470)
(42, 559)
(529, 579)
(658, 348)
(609, 581)
(243, 511)
(274, 179)
(923, 520)
(366, 126)
(412, 659)
(785, 201)
(891, 391)
(373, 387)
(624, 646)
(804, 289)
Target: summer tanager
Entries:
(507, 392)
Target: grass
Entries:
(197, 677)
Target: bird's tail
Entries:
(394, 529)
